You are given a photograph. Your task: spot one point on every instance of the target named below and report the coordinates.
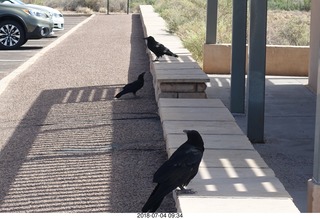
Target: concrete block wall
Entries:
(232, 176)
(280, 60)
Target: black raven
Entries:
(158, 49)
(177, 171)
(132, 87)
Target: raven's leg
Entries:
(185, 191)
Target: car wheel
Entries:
(12, 35)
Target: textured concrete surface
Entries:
(66, 144)
(226, 171)
(289, 129)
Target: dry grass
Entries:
(288, 28)
(187, 19)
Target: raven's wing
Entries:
(164, 50)
(182, 165)
(132, 87)
(157, 49)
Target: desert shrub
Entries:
(188, 20)
(71, 5)
(84, 10)
(177, 13)
(102, 10)
(134, 4)
(289, 5)
(95, 5)
(118, 6)
(295, 32)
(37, 2)
(288, 28)
(192, 35)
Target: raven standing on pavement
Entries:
(132, 87)
(177, 171)
(158, 49)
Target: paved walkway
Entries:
(289, 129)
(66, 144)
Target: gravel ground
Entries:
(66, 144)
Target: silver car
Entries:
(20, 23)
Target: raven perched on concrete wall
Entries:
(177, 171)
(158, 49)
(132, 87)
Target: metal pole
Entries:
(108, 7)
(212, 15)
(238, 63)
(256, 75)
(128, 6)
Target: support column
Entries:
(314, 183)
(238, 59)
(314, 44)
(212, 16)
(257, 69)
(108, 7)
(128, 6)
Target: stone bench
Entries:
(232, 176)
(172, 77)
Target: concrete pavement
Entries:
(66, 144)
(289, 129)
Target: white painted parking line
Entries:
(7, 60)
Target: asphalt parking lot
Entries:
(12, 59)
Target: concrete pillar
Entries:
(238, 59)
(212, 16)
(257, 70)
(314, 184)
(314, 44)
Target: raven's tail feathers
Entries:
(119, 94)
(156, 198)
(169, 53)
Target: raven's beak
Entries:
(186, 131)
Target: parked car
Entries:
(19, 23)
(57, 16)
